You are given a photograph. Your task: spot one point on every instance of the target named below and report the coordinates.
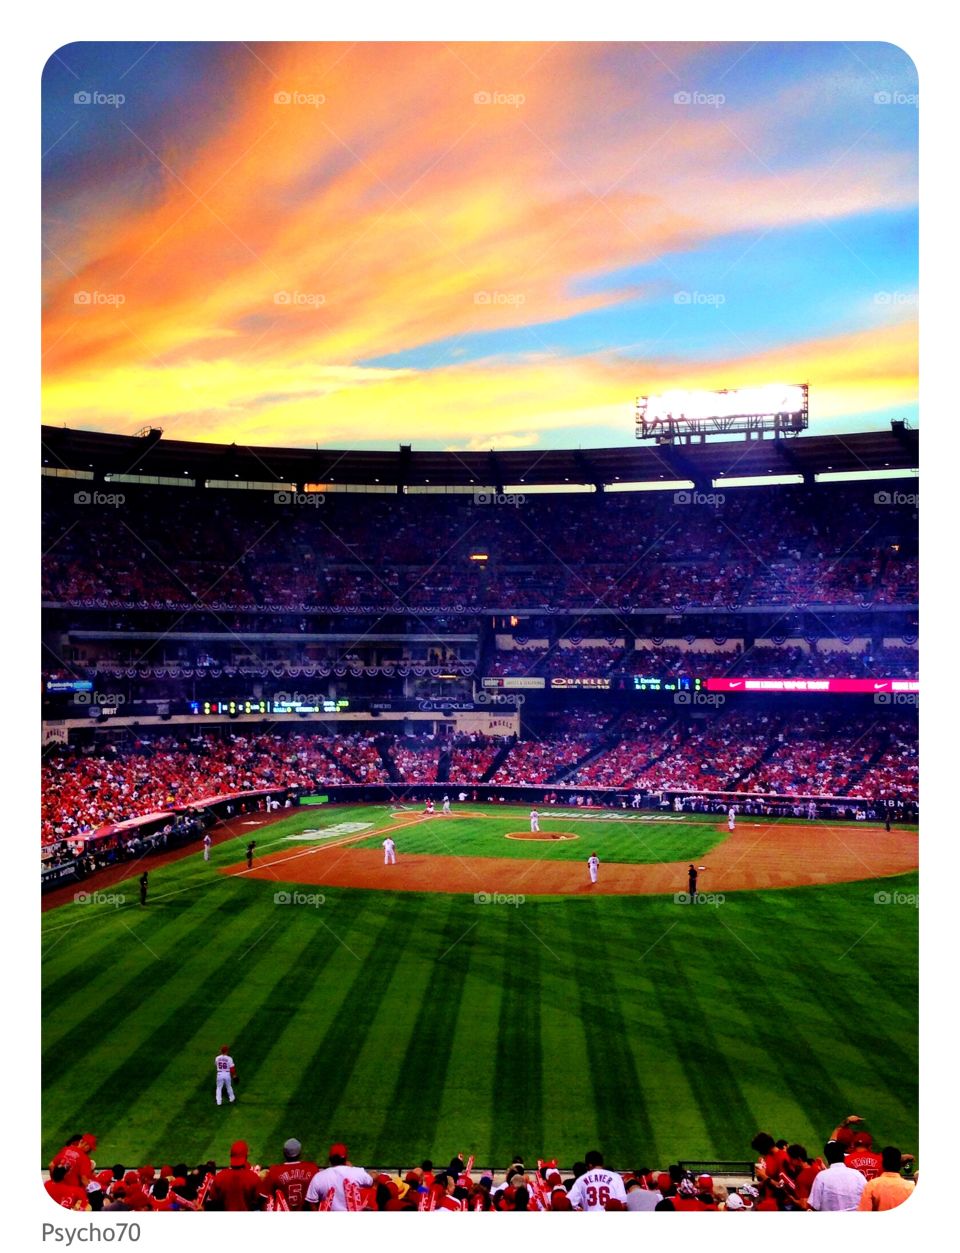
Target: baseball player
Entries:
(389, 852)
(534, 820)
(429, 808)
(446, 804)
(250, 850)
(593, 865)
(731, 819)
(226, 1073)
(207, 845)
(144, 887)
(596, 1186)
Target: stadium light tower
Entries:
(778, 409)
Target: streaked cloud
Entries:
(328, 259)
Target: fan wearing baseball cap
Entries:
(290, 1178)
(864, 1157)
(333, 1178)
(75, 1157)
(237, 1187)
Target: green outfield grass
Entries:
(411, 1024)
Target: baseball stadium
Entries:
(429, 825)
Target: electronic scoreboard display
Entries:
(670, 683)
(232, 708)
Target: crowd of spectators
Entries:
(850, 1174)
(415, 758)
(825, 545)
(803, 753)
(759, 661)
(84, 791)
(471, 756)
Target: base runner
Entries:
(731, 819)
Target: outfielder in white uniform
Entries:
(207, 841)
(731, 818)
(534, 820)
(225, 1074)
(389, 852)
(593, 864)
(446, 804)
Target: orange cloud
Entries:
(363, 201)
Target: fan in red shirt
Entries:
(864, 1157)
(845, 1132)
(769, 1164)
(238, 1186)
(75, 1158)
(290, 1178)
(65, 1194)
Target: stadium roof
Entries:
(149, 454)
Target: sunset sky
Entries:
(473, 246)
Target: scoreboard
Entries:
(233, 708)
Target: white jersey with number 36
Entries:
(593, 1190)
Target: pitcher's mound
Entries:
(541, 835)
